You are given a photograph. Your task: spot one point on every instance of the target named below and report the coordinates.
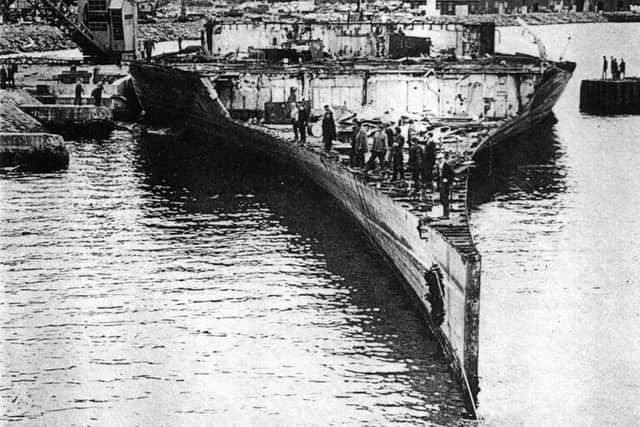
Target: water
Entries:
(153, 287)
(558, 229)
(173, 290)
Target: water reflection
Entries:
(361, 298)
(169, 286)
(529, 167)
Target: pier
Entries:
(87, 120)
(24, 143)
(600, 96)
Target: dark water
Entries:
(185, 287)
(558, 226)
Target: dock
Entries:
(87, 120)
(604, 96)
(24, 143)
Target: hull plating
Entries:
(185, 98)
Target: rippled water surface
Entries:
(153, 287)
(185, 287)
(558, 226)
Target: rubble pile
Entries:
(16, 38)
(13, 119)
(165, 31)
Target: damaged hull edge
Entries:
(172, 95)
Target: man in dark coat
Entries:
(79, 92)
(397, 160)
(622, 68)
(388, 130)
(429, 162)
(11, 73)
(354, 135)
(445, 181)
(416, 159)
(3, 78)
(604, 67)
(360, 147)
(295, 119)
(303, 121)
(378, 149)
(328, 129)
(96, 94)
(614, 68)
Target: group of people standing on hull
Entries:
(388, 148)
(618, 69)
(299, 120)
(8, 75)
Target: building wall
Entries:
(528, 6)
(357, 39)
(97, 16)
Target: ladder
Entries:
(71, 26)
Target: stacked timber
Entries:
(610, 96)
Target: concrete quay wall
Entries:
(37, 151)
(24, 142)
(85, 119)
(68, 114)
(610, 96)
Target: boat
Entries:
(468, 99)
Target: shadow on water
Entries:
(219, 179)
(524, 168)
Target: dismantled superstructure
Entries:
(444, 84)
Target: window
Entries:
(97, 5)
(97, 21)
(116, 24)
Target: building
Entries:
(112, 23)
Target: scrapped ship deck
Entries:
(424, 204)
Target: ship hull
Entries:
(192, 102)
(544, 98)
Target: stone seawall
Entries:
(23, 141)
(86, 119)
(33, 151)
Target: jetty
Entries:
(24, 143)
(609, 96)
(87, 120)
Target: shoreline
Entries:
(36, 37)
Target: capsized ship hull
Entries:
(173, 95)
